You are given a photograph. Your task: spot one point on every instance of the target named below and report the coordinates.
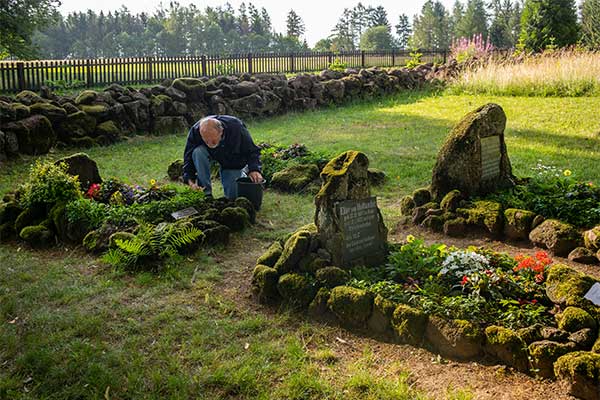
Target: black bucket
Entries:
(250, 190)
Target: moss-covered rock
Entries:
(573, 319)
(28, 97)
(193, 88)
(544, 353)
(248, 206)
(296, 290)
(7, 232)
(567, 287)
(270, 257)
(78, 124)
(109, 130)
(350, 305)
(9, 212)
(456, 227)
(295, 178)
(331, 277)
(458, 339)
(84, 142)
(407, 205)
(175, 170)
(30, 216)
(169, 125)
(421, 196)
(591, 238)
(318, 306)
(558, 237)
(485, 214)
(583, 255)
(235, 218)
(91, 241)
(460, 161)
(507, 346)
(86, 97)
(21, 110)
(554, 334)
(518, 223)
(381, 317)
(264, 283)
(581, 370)
(420, 213)
(98, 111)
(7, 112)
(37, 236)
(409, 324)
(35, 134)
(434, 222)
(584, 338)
(215, 234)
(53, 113)
(530, 334)
(295, 248)
(451, 200)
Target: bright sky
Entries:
(319, 16)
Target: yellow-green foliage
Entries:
(49, 184)
(351, 305)
(580, 364)
(485, 213)
(296, 290)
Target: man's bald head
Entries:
(211, 131)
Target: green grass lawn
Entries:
(72, 328)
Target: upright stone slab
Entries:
(474, 159)
(349, 222)
(81, 165)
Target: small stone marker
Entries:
(349, 223)
(474, 158)
(593, 294)
(186, 212)
(359, 220)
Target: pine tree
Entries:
(504, 28)
(548, 23)
(474, 20)
(458, 11)
(376, 38)
(294, 25)
(590, 23)
(403, 31)
(431, 27)
(378, 17)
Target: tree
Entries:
(294, 25)
(19, 19)
(376, 38)
(474, 20)
(377, 17)
(431, 27)
(323, 45)
(403, 31)
(504, 29)
(343, 37)
(590, 23)
(548, 23)
(458, 12)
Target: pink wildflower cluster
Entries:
(464, 49)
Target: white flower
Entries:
(461, 263)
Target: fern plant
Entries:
(152, 244)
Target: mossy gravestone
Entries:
(348, 220)
(474, 159)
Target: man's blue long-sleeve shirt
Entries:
(235, 151)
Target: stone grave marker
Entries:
(474, 158)
(593, 294)
(348, 221)
(186, 212)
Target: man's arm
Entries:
(189, 170)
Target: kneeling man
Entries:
(225, 139)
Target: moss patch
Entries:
(296, 290)
(332, 276)
(409, 324)
(506, 345)
(352, 306)
(270, 257)
(264, 283)
(574, 319)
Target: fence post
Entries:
(445, 56)
(204, 65)
(149, 72)
(88, 73)
(250, 63)
(292, 63)
(362, 58)
(330, 58)
(393, 57)
(21, 75)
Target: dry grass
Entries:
(567, 73)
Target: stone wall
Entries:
(32, 123)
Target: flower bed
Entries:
(524, 312)
(552, 209)
(132, 225)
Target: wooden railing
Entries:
(32, 75)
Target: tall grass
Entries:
(565, 73)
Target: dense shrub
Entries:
(49, 183)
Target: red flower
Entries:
(534, 301)
(93, 191)
(465, 280)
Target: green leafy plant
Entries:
(86, 212)
(415, 59)
(337, 65)
(415, 260)
(49, 183)
(225, 69)
(519, 313)
(152, 244)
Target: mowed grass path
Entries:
(72, 328)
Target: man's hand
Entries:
(194, 185)
(255, 176)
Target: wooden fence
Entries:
(32, 75)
